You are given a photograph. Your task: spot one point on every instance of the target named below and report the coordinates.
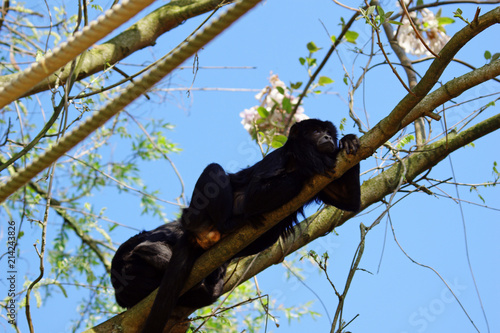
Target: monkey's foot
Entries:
(208, 238)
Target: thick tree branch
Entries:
(452, 89)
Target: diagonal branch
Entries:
(452, 89)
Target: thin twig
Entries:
(442, 3)
(379, 43)
(345, 6)
(320, 67)
(165, 156)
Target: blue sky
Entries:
(400, 296)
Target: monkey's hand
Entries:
(350, 143)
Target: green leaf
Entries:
(302, 61)
(276, 145)
(263, 113)
(278, 141)
(324, 80)
(380, 11)
(311, 62)
(312, 47)
(351, 36)
(487, 55)
(405, 140)
(333, 38)
(287, 105)
(370, 10)
(495, 56)
(280, 90)
(296, 85)
(395, 22)
(458, 13)
(39, 54)
(445, 20)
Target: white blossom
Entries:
(431, 31)
(271, 99)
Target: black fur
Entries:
(140, 263)
(221, 203)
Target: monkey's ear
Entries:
(294, 131)
(344, 193)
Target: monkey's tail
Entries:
(184, 255)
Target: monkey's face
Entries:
(324, 140)
(320, 134)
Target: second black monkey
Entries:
(223, 202)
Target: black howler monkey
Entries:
(220, 204)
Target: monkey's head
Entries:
(320, 134)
